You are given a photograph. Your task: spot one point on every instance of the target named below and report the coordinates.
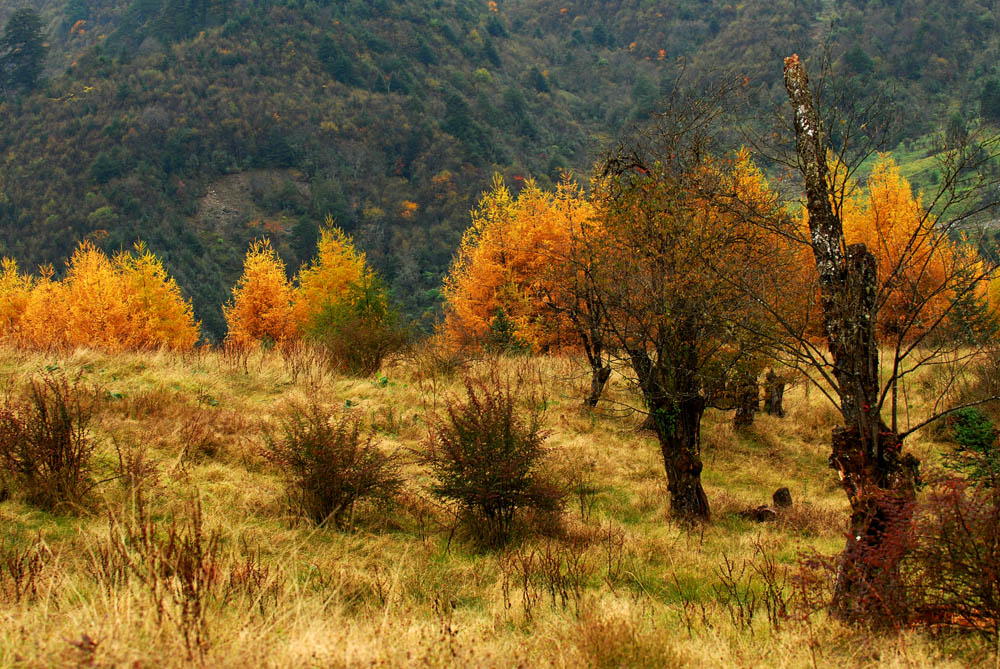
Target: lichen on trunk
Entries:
(878, 479)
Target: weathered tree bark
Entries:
(879, 482)
(774, 393)
(680, 442)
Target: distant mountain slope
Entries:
(390, 115)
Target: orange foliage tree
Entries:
(260, 310)
(917, 260)
(128, 303)
(507, 263)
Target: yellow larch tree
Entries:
(513, 250)
(260, 310)
(15, 292)
(127, 303)
(917, 263)
(96, 309)
(159, 315)
(327, 279)
(43, 325)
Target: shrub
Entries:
(487, 458)
(177, 564)
(953, 567)
(359, 330)
(939, 567)
(329, 464)
(44, 445)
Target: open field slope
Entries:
(610, 582)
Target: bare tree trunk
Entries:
(866, 454)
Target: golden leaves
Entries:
(125, 303)
(509, 258)
(268, 308)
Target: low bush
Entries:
(953, 566)
(486, 457)
(359, 331)
(44, 445)
(329, 464)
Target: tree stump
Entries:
(774, 392)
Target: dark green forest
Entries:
(198, 125)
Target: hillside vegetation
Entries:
(180, 451)
(391, 116)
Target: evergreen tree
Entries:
(989, 101)
(24, 50)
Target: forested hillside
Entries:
(198, 125)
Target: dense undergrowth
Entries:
(187, 547)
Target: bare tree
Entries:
(573, 295)
(937, 323)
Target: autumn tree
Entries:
(520, 276)
(898, 286)
(125, 303)
(15, 292)
(675, 246)
(159, 314)
(43, 325)
(566, 284)
(96, 311)
(504, 256)
(342, 305)
(260, 311)
(326, 280)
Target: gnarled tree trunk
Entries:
(679, 434)
(675, 415)
(878, 480)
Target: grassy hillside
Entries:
(611, 582)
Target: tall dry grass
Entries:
(191, 553)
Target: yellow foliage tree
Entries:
(127, 303)
(327, 278)
(260, 310)
(917, 263)
(15, 292)
(43, 325)
(159, 315)
(96, 308)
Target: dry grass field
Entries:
(186, 550)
